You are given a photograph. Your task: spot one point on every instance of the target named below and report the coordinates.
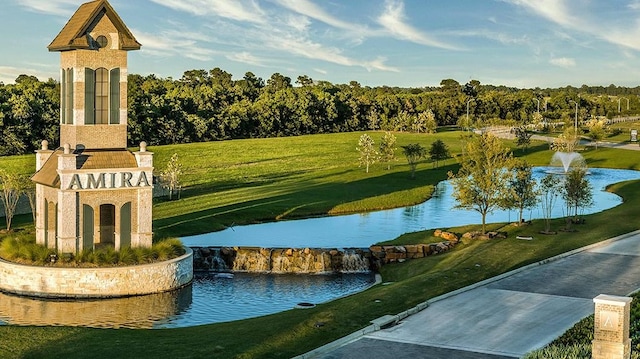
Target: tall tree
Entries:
(482, 183)
(388, 148)
(368, 153)
(414, 152)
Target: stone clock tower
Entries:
(91, 191)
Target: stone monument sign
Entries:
(611, 327)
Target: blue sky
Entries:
(407, 43)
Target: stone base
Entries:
(610, 350)
(103, 282)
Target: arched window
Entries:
(102, 96)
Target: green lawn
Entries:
(265, 180)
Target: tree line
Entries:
(210, 105)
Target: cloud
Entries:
(237, 10)
(309, 9)
(307, 48)
(171, 43)
(502, 38)
(245, 57)
(576, 16)
(55, 7)
(565, 62)
(254, 30)
(394, 21)
(557, 11)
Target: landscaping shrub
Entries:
(23, 249)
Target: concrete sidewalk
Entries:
(510, 316)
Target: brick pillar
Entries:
(611, 327)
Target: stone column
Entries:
(611, 327)
(42, 156)
(67, 204)
(143, 235)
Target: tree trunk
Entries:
(520, 219)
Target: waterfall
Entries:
(281, 260)
(353, 262)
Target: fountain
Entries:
(566, 160)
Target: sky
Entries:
(405, 43)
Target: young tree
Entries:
(576, 191)
(425, 122)
(548, 191)
(567, 141)
(464, 122)
(438, 151)
(388, 148)
(29, 190)
(482, 183)
(538, 120)
(12, 188)
(368, 154)
(522, 187)
(597, 130)
(171, 176)
(523, 138)
(414, 152)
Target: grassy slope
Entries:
(276, 186)
(248, 181)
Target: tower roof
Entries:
(73, 35)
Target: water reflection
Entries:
(210, 299)
(130, 312)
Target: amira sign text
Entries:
(90, 181)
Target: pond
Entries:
(211, 298)
(214, 298)
(363, 230)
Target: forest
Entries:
(210, 106)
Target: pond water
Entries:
(214, 298)
(211, 298)
(363, 230)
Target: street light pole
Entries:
(576, 119)
(623, 98)
(619, 104)
(469, 100)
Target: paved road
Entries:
(508, 317)
(505, 133)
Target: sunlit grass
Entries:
(270, 179)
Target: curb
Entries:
(386, 320)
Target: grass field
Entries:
(264, 180)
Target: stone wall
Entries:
(390, 254)
(59, 282)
